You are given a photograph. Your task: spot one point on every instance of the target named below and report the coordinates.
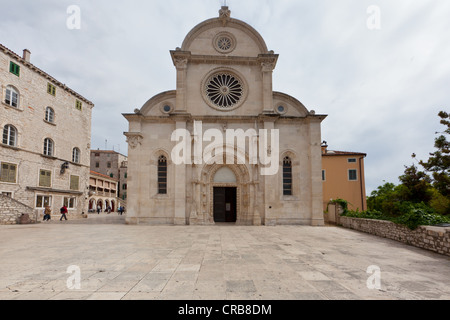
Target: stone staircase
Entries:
(15, 212)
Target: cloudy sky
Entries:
(381, 85)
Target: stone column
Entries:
(180, 184)
(315, 163)
(180, 60)
(134, 141)
(268, 63)
(270, 181)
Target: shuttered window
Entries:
(8, 172)
(74, 182)
(79, 105)
(45, 178)
(352, 175)
(51, 89)
(14, 68)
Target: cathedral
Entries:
(224, 147)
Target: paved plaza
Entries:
(101, 258)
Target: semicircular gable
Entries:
(155, 102)
(294, 107)
(199, 39)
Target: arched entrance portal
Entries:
(225, 195)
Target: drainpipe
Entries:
(361, 184)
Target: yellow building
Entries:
(343, 177)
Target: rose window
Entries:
(224, 43)
(224, 90)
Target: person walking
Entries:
(47, 213)
(63, 212)
(98, 209)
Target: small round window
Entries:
(281, 109)
(166, 108)
(224, 42)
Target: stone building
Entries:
(112, 164)
(223, 146)
(103, 192)
(41, 161)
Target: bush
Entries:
(420, 217)
(416, 215)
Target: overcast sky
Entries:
(381, 88)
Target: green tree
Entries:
(416, 185)
(439, 162)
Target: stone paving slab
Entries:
(222, 262)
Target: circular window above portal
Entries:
(224, 42)
(224, 90)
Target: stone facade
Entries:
(224, 83)
(42, 161)
(436, 239)
(12, 210)
(112, 164)
(103, 192)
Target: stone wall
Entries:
(12, 210)
(436, 239)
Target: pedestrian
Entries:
(120, 210)
(63, 211)
(108, 209)
(98, 209)
(47, 213)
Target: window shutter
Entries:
(4, 173)
(45, 178)
(12, 173)
(74, 182)
(8, 172)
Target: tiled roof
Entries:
(103, 175)
(343, 153)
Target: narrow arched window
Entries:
(12, 97)
(49, 115)
(10, 135)
(287, 176)
(76, 155)
(48, 147)
(162, 175)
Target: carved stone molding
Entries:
(134, 139)
(224, 15)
